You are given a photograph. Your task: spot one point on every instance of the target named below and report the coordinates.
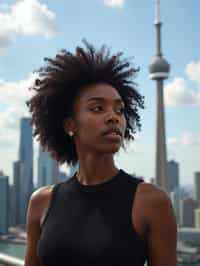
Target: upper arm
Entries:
(162, 233)
(33, 229)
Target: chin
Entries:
(112, 148)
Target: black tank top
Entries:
(91, 225)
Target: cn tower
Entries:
(159, 71)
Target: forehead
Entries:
(99, 92)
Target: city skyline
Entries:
(127, 26)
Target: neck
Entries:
(96, 169)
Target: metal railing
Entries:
(10, 260)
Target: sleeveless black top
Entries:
(91, 225)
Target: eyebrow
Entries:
(101, 99)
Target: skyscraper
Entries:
(26, 158)
(48, 170)
(26, 145)
(197, 186)
(11, 206)
(73, 169)
(172, 175)
(63, 177)
(176, 198)
(187, 212)
(20, 192)
(4, 201)
(159, 71)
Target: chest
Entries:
(90, 235)
(90, 231)
(137, 211)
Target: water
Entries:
(189, 264)
(16, 250)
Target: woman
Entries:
(84, 109)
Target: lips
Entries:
(113, 131)
(112, 136)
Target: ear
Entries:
(69, 124)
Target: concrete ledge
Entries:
(10, 261)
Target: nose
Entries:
(111, 117)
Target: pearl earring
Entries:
(71, 133)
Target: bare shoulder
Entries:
(41, 198)
(41, 193)
(155, 202)
(153, 193)
(37, 203)
(161, 225)
(152, 199)
(36, 206)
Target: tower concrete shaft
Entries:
(161, 154)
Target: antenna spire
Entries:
(157, 11)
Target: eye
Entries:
(121, 110)
(96, 108)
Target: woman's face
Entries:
(98, 109)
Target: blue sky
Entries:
(34, 29)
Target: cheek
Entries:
(89, 126)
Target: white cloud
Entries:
(135, 145)
(13, 95)
(114, 3)
(179, 92)
(7, 138)
(193, 71)
(186, 140)
(26, 17)
(134, 148)
(185, 150)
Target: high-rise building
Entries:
(16, 186)
(187, 211)
(63, 177)
(172, 175)
(176, 197)
(11, 208)
(73, 169)
(197, 217)
(152, 180)
(20, 193)
(197, 186)
(4, 201)
(48, 170)
(159, 71)
(26, 153)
